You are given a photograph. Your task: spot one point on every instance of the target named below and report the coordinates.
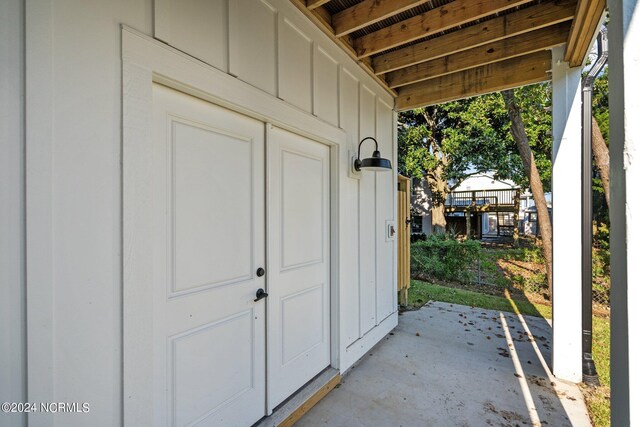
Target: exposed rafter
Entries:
(518, 22)
(520, 71)
(430, 51)
(432, 22)
(585, 27)
(313, 4)
(501, 50)
(369, 12)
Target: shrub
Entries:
(533, 254)
(442, 257)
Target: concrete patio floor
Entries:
(453, 365)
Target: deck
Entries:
(483, 201)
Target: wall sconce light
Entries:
(374, 163)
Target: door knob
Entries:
(260, 294)
(260, 272)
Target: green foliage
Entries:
(600, 111)
(535, 107)
(422, 292)
(600, 270)
(600, 106)
(473, 134)
(601, 236)
(442, 257)
(502, 268)
(598, 398)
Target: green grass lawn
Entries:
(422, 292)
(597, 398)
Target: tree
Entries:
(423, 155)
(601, 158)
(600, 145)
(535, 183)
(446, 143)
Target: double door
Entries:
(235, 219)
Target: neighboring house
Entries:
(489, 201)
(528, 223)
(421, 205)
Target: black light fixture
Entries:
(374, 163)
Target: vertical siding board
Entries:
(195, 27)
(253, 43)
(350, 246)
(367, 216)
(325, 83)
(384, 212)
(13, 336)
(295, 59)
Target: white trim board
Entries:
(361, 346)
(180, 71)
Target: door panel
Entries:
(298, 224)
(200, 361)
(208, 207)
(208, 167)
(302, 210)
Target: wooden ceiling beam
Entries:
(515, 72)
(585, 26)
(313, 4)
(432, 22)
(518, 22)
(523, 44)
(369, 12)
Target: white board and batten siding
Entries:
(266, 45)
(270, 45)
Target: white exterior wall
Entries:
(484, 182)
(421, 203)
(272, 46)
(74, 208)
(624, 102)
(13, 379)
(566, 185)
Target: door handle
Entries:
(260, 294)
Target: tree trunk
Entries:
(522, 142)
(601, 156)
(435, 178)
(438, 220)
(438, 187)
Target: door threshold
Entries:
(292, 409)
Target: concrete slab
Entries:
(453, 365)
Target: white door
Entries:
(208, 207)
(298, 261)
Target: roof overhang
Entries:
(426, 52)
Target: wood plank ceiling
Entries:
(426, 52)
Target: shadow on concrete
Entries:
(454, 365)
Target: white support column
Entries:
(566, 185)
(624, 147)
